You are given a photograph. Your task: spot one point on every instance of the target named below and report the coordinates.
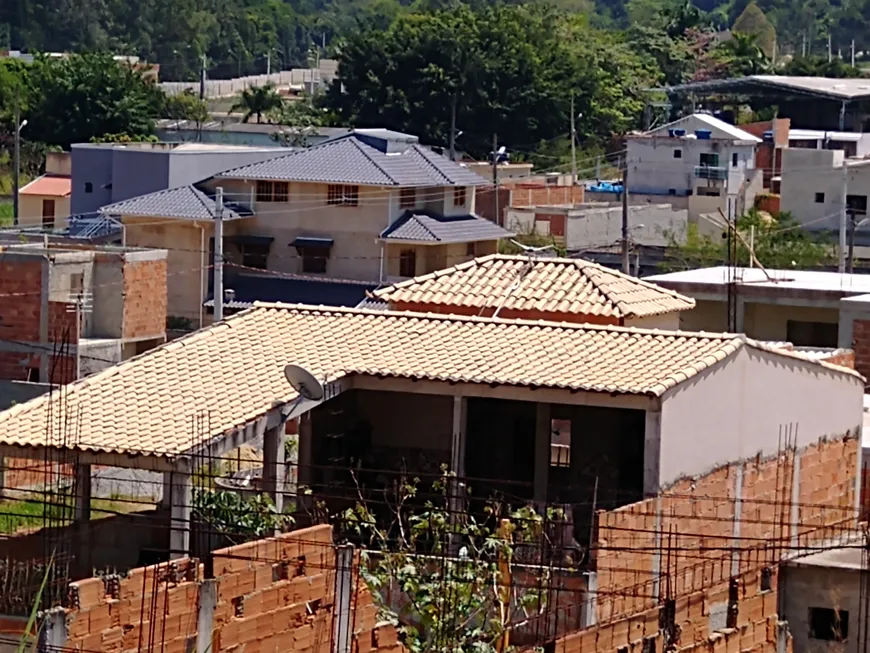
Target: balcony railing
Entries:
(711, 172)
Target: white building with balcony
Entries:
(700, 158)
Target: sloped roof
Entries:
(292, 289)
(185, 202)
(550, 285)
(429, 227)
(232, 371)
(714, 123)
(347, 160)
(49, 186)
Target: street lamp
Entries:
(19, 125)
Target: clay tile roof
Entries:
(550, 285)
(232, 371)
(49, 186)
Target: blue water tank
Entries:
(671, 132)
(679, 132)
(703, 134)
(767, 137)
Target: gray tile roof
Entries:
(424, 226)
(186, 202)
(347, 160)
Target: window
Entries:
(313, 259)
(272, 191)
(471, 249)
(560, 443)
(829, 624)
(407, 198)
(342, 195)
(856, 205)
(734, 159)
(89, 187)
(678, 154)
(254, 256)
(707, 191)
(820, 198)
(459, 196)
(408, 263)
(811, 334)
(709, 159)
(33, 375)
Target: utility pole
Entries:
(853, 53)
(268, 63)
(573, 145)
(495, 176)
(804, 45)
(202, 78)
(625, 262)
(841, 268)
(452, 145)
(219, 254)
(17, 157)
(830, 55)
(851, 256)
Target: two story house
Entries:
(699, 162)
(369, 207)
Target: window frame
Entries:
(460, 195)
(815, 615)
(342, 195)
(272, 191)
(314, 259)
(560, 451)
(247, 255)
(678, 153)
(735, 159)
(407, 198)
(408, 257)
(89, 187)
(819, 198)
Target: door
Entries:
(48, 213)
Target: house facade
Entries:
(699, 157)
(45, 202)
(372, 206)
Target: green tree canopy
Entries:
(257, 101)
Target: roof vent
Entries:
(229, 295)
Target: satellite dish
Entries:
(304, 382)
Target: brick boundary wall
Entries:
(861, 346)
(268, 596)
(785, 502)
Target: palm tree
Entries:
(744, 55)
(256, 101)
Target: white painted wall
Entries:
(649, 224)
(737, 408)
(654, 168)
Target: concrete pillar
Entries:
(166, 496)
(342, 623)
(82, 511)
(543, 439)
(305, 473)
(44, 345)
(53, 632)
(208, 598)
(457, 445)
(179, 515)
(738, 512)
(794, 515)
(273, 465)
(652, 442)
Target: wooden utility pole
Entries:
(573, 145)
(498, 219)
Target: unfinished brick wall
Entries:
(697, 535)
(275, 594)
(144, 299)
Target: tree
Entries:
(820, 67)
(257, 101)
(743, 55)
(753, 23)
(185, 106)
(303, 118)
(449, 569)
(75, 99)
(778, 243)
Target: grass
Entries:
(26, 514)
(5, 214)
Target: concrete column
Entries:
(179, 515)
(305, 473)
(44, 345)
(794, 514)
(82, 518)
(53, 633)
(342, 624)
(166, 496)
(543, 439)
(457, 446)
(652, 443)
(657, 557)
(273, 465)
(738, 512)
(208, 598)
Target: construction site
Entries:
(322, 498)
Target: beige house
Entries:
(45, 202)
(371, 206)
(796, 306)
(557, 289)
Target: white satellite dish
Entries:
(304, 382)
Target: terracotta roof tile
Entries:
(231, 373)
(550, 285)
